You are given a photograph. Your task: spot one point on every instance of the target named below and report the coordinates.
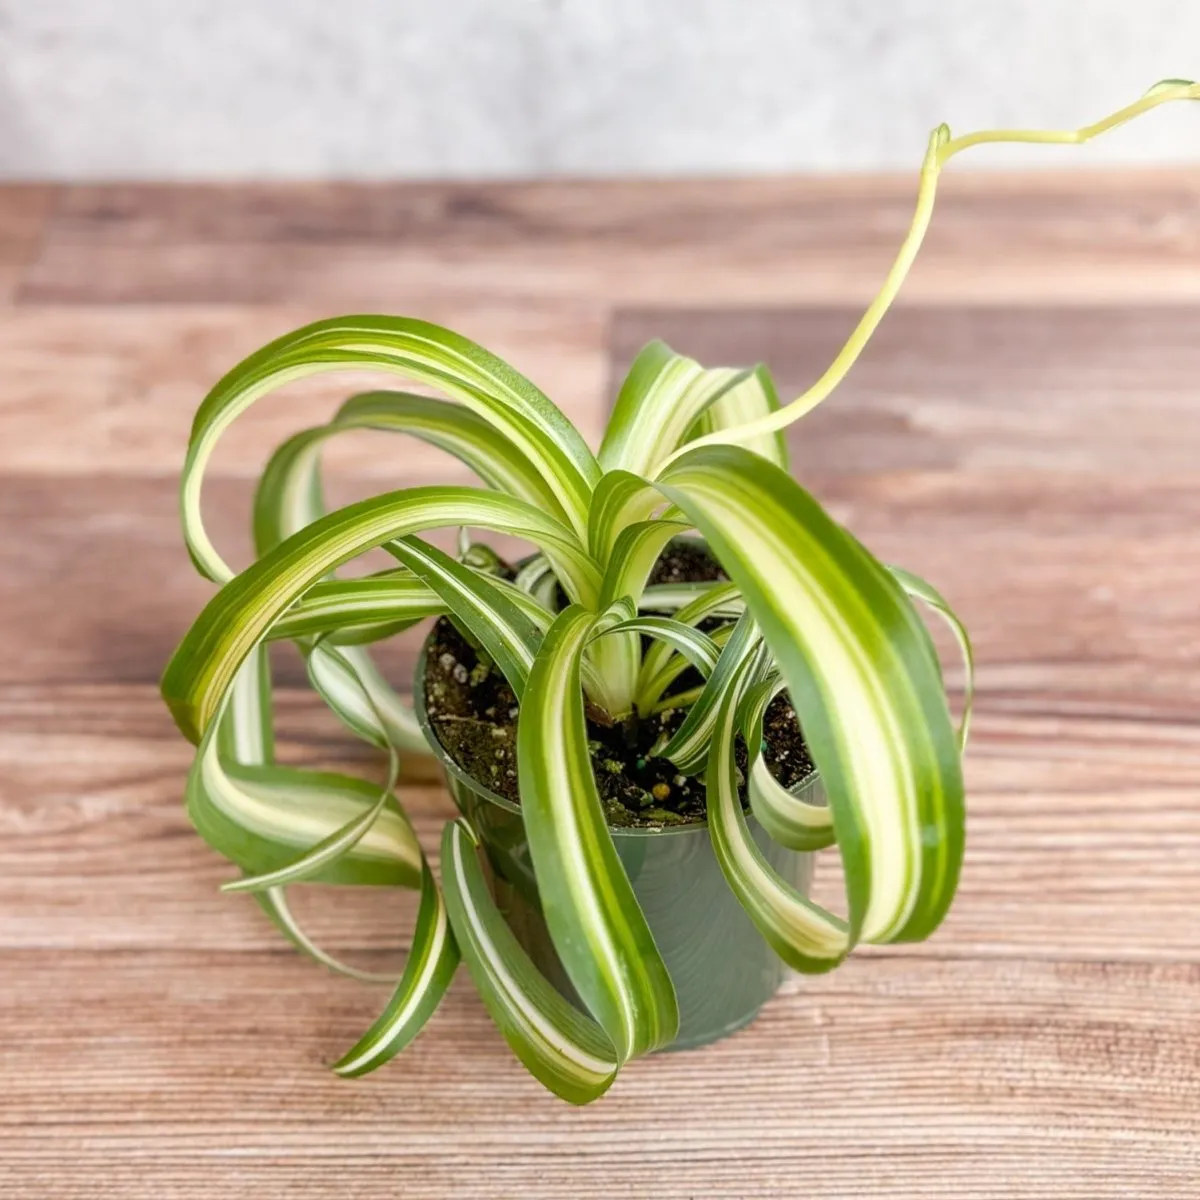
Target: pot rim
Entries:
(464, 777)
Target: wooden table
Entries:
(1025, 431)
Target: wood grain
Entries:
(24, 214)
(1022, 432)
(1059, 1059)
(120, 384)
(969, 389)
(778, 241)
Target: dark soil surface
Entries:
(474, 713)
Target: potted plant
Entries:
(647, 733)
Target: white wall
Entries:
(385, 88)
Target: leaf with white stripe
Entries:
(533, 426)
(289, 493)
(653, 697)
(479, 555)
(617, 661)
(329, 850)
(490, 612)
(637, 549)
(379, 602)
(459, 431)
(560, 1046)
(924, 591)
(593, 916)
(662, 397)
(752, 398)
(532, 573)
(697, 648)
(672, 597)
(866, 689)
(357, 693)
(432, 960)
(257, 813)
(263, 817)
(244, 610)
(245, 738)
(804, 935)
(797, 817)
(627, 566)
(339, 613)
(688, 746)
(620, 500)
(656, 673)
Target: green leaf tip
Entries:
(1169, 85)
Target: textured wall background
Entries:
(383, 88)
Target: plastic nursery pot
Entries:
(723, 970)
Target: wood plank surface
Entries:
(903, 1078)
(24, 216)
(1023, 432)
(776, 241)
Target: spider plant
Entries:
(808, 610)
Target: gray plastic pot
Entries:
(722, 969)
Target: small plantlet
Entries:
(581, 653)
